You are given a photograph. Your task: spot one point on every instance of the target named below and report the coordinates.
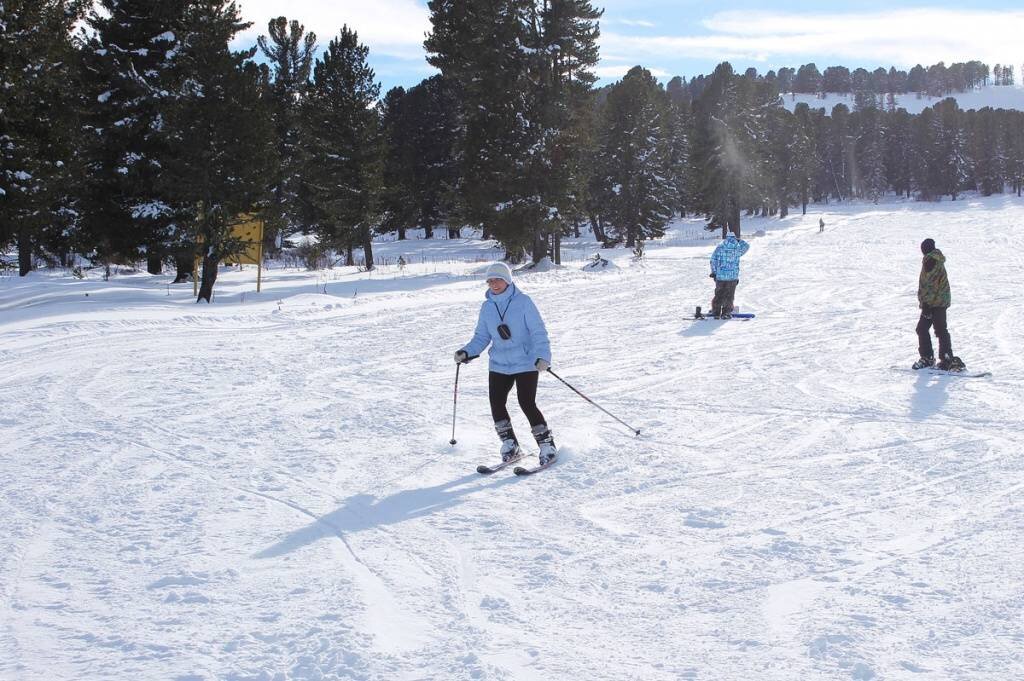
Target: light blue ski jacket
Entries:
(529, 340)
(725, 261)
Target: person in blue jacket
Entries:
(510, 323)
(725, 270)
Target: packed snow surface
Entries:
(263, 488)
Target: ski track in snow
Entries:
(266, 491)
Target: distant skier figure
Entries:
(821, 225)
(725, 270)
(933, 297)
(510, 323)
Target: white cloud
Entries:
(898, 37)
(633, 22)
(394, 28)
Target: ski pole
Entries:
(635, 430)
(455, 401)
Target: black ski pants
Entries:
(499, 386)
(933, 317)
(724, 293)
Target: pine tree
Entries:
(221, 137)
(870, 155)
(987, 152)
(954, 166)
(130, 70)
(431, 121)
(898, 151)
(346, 150)
(1013, 144)
(397, 207)
(522, 69)
(289, 50)
(38, 127)
(806, 161)
(635, 158)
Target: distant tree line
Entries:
(145, 137)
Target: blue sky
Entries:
(688, 38)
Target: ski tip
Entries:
(484, 470)
(519, 470)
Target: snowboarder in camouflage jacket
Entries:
(933, 297)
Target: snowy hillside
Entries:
(1002, 97)
(263, 488)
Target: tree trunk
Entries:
(208, 279)
(429, 230)
(540, 247)
(454, 233)
(367, 248)
(350, 260)
(24, 252)
(183, 264)
(401, 233)
(154, 263)
(595, 224)
(556, 248)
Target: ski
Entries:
(941, 372)
(519, 470)
(487, 470)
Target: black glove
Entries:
(712, 275)
(461, 357)
(926, 313)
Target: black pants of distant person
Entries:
(724, 293)
(498, 388)
(933, 317)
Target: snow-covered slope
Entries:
(263, 488)
(1001, 97)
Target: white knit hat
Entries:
(498, 270)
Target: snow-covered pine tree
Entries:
(781, 149)
(635, 158)
(986, 144)
(839, 155)
(805, 160)
(926, 161)
(681, 133)
(808, 79)
(38, 126)
(397, 208)
(221, 137)
(289, 49)
(716, 155)
(522, 69)
(430, 119)
(898, 151)
(130, 77)
(345, 146)
(955, 168)
(1013, 145)
(870, 155)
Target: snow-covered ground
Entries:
(263, 488)
(997, 97)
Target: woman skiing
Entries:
(511, 324)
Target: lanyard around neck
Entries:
(501, 314)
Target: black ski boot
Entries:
(546, 442)
(924, 363)
(510, 450)
(951, 363)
